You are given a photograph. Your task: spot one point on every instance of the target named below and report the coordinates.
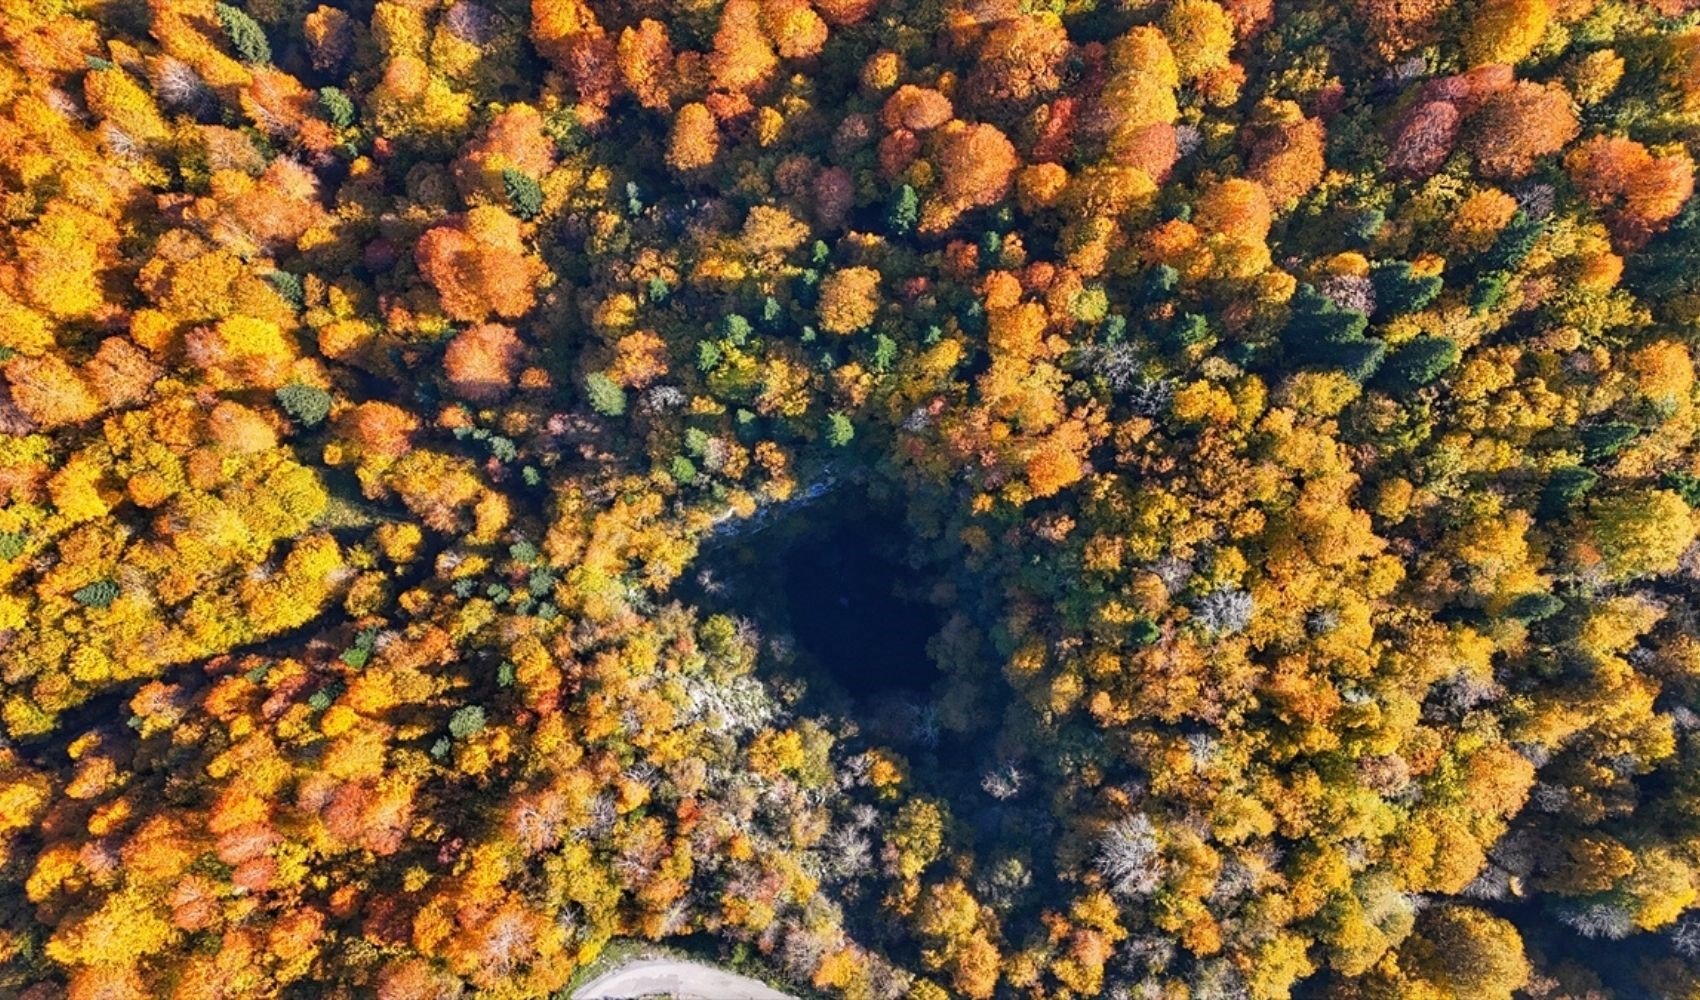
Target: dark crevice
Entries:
(847, 594)
(829, 585)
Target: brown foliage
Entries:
(696, 139)
(849, 299)
(514, 140)
(479, 265)
(379, 428)
(49, 391)
(1020, 63)
(275, 209)
(1640, 191)
(834, 192)
(1287, 158)
(1234, 207)
(1152, 148)
(844, 12)
(120, 373)
(1395, 27)
(646, 63)
(742, 59)
(240, 429)
(557, 25)
(796, 30)
(107, 982)
(916, 109)
(1423, 138)
(566, 32)
(1519, 125)
(1250, 16)
(481, 362)
(414, 979)
(976, 163)
(330, 38)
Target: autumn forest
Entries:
(925, 499)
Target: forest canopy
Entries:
(430, 431)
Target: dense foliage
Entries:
(1290, 411)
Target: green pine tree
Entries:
(905, 211)
(307, 405)
(839, 430)
(338, 109)
(606, 397)
(98, 594)
(245, 34)
(524, 193)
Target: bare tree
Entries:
(1350, 291)
(1003, 782)
(1685, 937)
(1225, 610)
(924, 726)
(1130, 857)
(1600, 920)
(846, 854)
(470, 22)
(180, 88)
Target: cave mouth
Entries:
(850, 598)
(831, 586)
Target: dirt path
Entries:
(669, 977)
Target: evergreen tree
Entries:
(338, 109)
(839, 430)
(308, 405)
(904, 211)
(605, 395)
(524, 193)
(1417, 362)
(245, 34)
(1398, 291)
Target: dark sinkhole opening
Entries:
(848, 594)
(831, 588)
